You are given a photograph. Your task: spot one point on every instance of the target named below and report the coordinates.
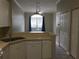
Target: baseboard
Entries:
(72, 56)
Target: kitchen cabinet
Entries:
(46, 50)
(39, 49)
(33, 49)
(17, 51)
(1, 54)
(4, 13)
(5, 53)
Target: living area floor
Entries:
(60, 52)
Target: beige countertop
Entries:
(28, 37)
(3, 45)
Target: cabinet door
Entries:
(17, 51)
(5, 53)
(33, 49)
(46, 50)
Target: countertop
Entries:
(32, 36)
(3, 45)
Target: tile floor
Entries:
(60, 54)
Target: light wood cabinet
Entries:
(33, 49)
(1, 54)
(39, 50)
(17, 51)
(46, 50)
(29, 50)
(4, 13)
(5, 53)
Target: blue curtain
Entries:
(43, 25)
(29, 23)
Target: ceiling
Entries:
(46, 6)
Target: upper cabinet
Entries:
(4, 13)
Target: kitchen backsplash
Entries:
(4, 31)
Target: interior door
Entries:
(75, 31)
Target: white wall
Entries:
(4, 13)
(18, 24)
(48, 21)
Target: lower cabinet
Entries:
(33, 50)
(5, 53)
(38, 50)
(30, 50)
(47, 50)
(17, 51)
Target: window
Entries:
(36, 22)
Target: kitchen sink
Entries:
(12, 39)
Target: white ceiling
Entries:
(46, 6)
